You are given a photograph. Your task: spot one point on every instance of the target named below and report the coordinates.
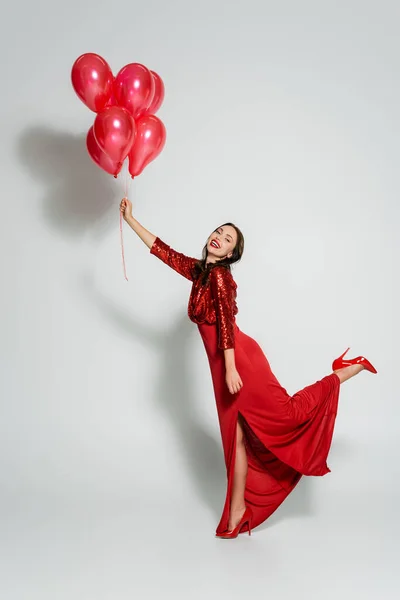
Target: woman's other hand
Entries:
(233, 380)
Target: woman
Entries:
(270, 439)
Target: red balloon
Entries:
(134, 88)
(159, 93)
(112, 101)
(150, 140)
(99, 157)
(115, 130)
(92, 80)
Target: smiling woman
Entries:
(224, 246)
(222, 242)
(270, 439)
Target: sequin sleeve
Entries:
(176, 260)
(223, 290)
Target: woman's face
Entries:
(221, 243)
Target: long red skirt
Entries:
(285, 436)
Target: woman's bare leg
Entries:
(348, 372)
(237, 506)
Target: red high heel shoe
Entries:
(339, 363)
(246, 518)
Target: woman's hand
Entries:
(126, 211)
(233, 380)
(126, 208)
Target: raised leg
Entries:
(348, 372)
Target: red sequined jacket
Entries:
(213, 302)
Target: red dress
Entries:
(285, 436)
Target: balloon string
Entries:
(126, 179)
(121, 224)
(122, 245)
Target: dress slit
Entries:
(261, 463)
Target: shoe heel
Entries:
(345, 352)
(337, 363)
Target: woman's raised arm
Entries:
(126, 210)
(182, 264)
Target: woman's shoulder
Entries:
(223, 276)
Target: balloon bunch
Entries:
(125, 124)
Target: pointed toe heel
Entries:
(341, 362)
(246, 519)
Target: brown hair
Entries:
(201, 269)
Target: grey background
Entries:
(283, 117)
